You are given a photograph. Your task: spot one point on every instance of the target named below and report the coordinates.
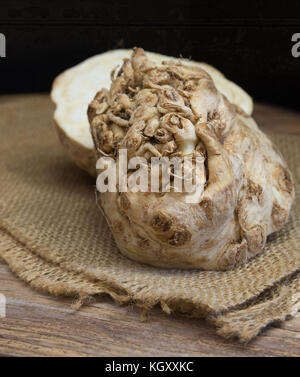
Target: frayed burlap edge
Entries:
(274, 305)
(244, 322)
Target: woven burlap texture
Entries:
(54, 237)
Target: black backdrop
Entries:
(249, 41)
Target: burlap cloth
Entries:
(54, 237)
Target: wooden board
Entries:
(40, 325)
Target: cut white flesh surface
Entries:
(75, 88)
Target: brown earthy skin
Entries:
(245, 186)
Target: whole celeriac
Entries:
(74, 89)
(244, 188)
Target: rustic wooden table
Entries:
(40, 325)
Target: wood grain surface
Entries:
(40, 325)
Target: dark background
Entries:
(249, 41)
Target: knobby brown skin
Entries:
(244, 186)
